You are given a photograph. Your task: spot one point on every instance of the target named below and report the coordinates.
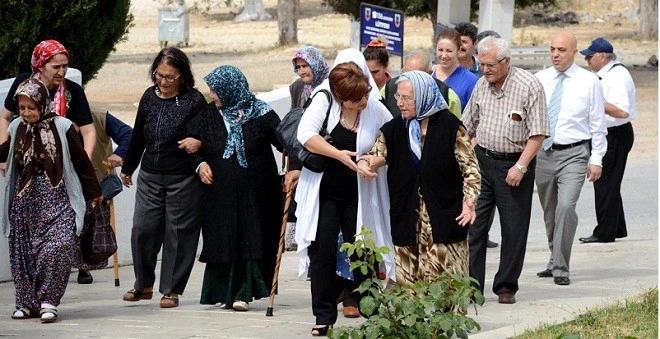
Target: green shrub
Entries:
(89, 29)
(421, 310)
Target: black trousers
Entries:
(335, 213)
(514, 205)
(607, 189)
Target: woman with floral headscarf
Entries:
(50, 62)
(49, 177)
(241, 204)
(312, 69)
(433, 179)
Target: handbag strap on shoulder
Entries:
(327, 113)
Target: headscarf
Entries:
(40, 56)
(356, 56)
(428, 101)
(239, 106)
(37, 146)
(320, 70)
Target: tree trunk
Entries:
(354, 38)
(648, 19)
(253, 11)
(287, 21)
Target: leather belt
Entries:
(558, 147)
(499, 155)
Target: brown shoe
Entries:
(506, 297)
(351, 312)
(169, 301)
(135, 295)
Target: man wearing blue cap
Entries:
(619, 94)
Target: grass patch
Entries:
(635, 317)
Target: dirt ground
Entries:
(252, 46)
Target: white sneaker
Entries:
(240, 306)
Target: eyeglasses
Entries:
(365, 96)
(491, 66)
(398, 97)
(160, 77)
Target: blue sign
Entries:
(378, 21)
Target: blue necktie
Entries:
(553, 110)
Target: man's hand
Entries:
(205, 174)
(514, 176)
(126, 180)
(594, 172)
(291, 180)
(113, 161)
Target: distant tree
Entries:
(253, 11)
(89, 29)
(648, 22)
(287, 21)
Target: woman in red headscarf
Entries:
(49, 179)
(50, 62)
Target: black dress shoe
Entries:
(562, 281)
(84, 277)
(591, 239)
(491, 244)
(547, 273)
(506, 298)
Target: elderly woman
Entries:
(312, 69)
(50, 62)
(168, 192)
(449, 69)
(48, 179)
(241, 205)
(433, 180)
(337, 199)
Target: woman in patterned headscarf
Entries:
(241, 206)
(46, 167)
(50, 62)
(433, 179)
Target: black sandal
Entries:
(321, 331)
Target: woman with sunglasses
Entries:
(168, 193)
(338, 198)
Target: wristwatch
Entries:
(521, 168)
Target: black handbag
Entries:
(287, 134)
(110, 186)
(98, 241)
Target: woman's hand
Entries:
(97, 201)
(345, 157)
(126, 180)
(291, 180)
(468, 215)
(190, 145)
(205, 174)
(366, 166)
(113, 161)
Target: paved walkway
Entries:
(601, 273)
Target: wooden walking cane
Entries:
(280, 249)
(111, 206)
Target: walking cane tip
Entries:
(269, 312)
(117, 282)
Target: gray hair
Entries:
(487, 33)
(610, 56)
(501, 46)
(418, 53)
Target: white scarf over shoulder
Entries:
(373, 196)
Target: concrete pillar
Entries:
(496, 15)
(451, 12)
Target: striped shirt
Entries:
(502, 122)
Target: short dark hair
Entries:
(467, 29)
(377, 51)
(348, 82)
(487, 33)
(176, 58)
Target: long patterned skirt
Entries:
(42, 242)
(427, 260)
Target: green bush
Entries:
(421, 310)
(89, 29)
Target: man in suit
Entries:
(620, 110)
(574, 150)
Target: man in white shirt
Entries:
(619, 93)
(577, 117)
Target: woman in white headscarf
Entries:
(339, 199)
(433, 179)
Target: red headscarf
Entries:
(40, 56)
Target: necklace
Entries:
(160, 95)
(356, 122)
